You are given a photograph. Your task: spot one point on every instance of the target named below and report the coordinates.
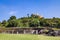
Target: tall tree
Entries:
(12, 22)
(4, 23)
(12, 18)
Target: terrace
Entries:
(17, 30)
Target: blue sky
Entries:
(20, 8)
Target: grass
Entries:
(42, 37)
(18, 37)
(26, 37)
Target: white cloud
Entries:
(12, 12)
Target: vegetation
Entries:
(26, 37)
(18, 37)
(31, 21)
(42, 37)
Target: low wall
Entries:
(20, 30)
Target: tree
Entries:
(31, 21)
(34, 23)
(12, 22)
(36, 16)
(25, 22)
(28, 15)
(4, 23)
(12, 18)
(1, 24)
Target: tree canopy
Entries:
(31, 21)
